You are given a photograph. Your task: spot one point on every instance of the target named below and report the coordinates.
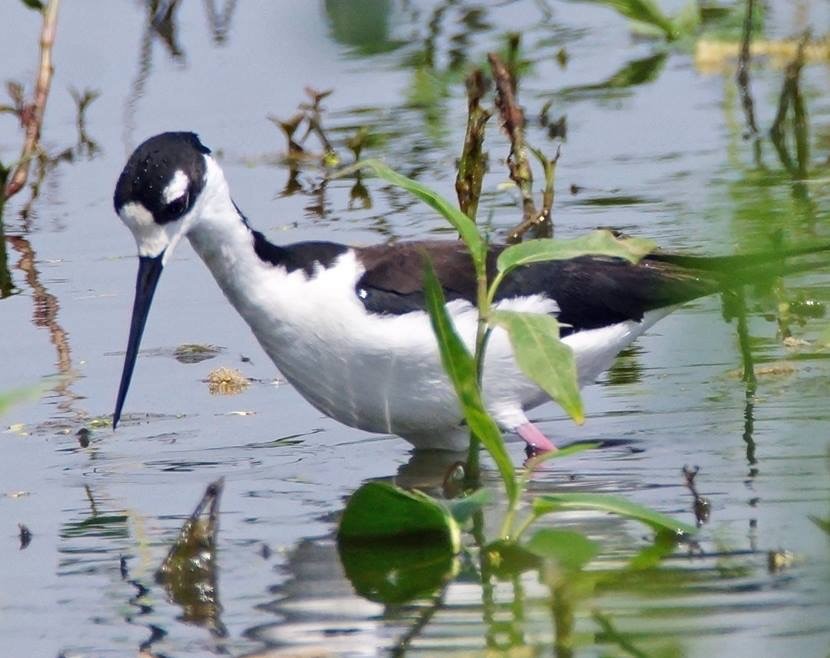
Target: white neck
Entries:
(218, 226)
(226, 244)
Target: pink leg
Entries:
(534, 438)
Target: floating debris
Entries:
(226, 381)
(195, 353)
(83, 436)
(25, 536)
(702, 507)
(779, 560)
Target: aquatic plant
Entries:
(415, 536)
(397, 545)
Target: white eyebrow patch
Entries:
(176, 187)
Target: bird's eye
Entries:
(176, 207)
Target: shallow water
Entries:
(665, 158)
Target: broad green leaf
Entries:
(596, 243)
(643, 11)
(396, 573)
(571, 550)
(649, 557)
(462, 509)
(379, 511)
(34, 4)
(547, 503)
(506, 559)
(464, 225)
(543, 357)
(460, 367)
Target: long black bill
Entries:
(149, 271)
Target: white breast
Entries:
(382, 373)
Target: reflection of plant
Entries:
(649, 19)
(10, 398)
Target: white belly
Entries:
(383, 373)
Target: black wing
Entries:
(591, 291)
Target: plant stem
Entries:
(513, 122)
(507, 524)
(472, 165)
(473, 475)
(32, 118)
(524, 526)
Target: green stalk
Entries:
(482, 334)
(524, 526)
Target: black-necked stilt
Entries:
(347, 326)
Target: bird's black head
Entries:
(159, 187)
(164, 176)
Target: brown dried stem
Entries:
(702, 507)
(314, 116)
(542, 222)
(513, 122)
(32, 116)
(473, 163)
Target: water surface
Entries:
(665, 158)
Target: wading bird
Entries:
(347, 326)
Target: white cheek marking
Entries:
(176, 187)
(150, 238)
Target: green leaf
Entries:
(464, 225)
(543, 357)
(462, 509)
(643, 11)
(547, 503)
(396, 573)
(571, 550)
(650, 556)
(597, 243)
(379, 511)
(460, 367)
(34, 4)
(506, 559)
